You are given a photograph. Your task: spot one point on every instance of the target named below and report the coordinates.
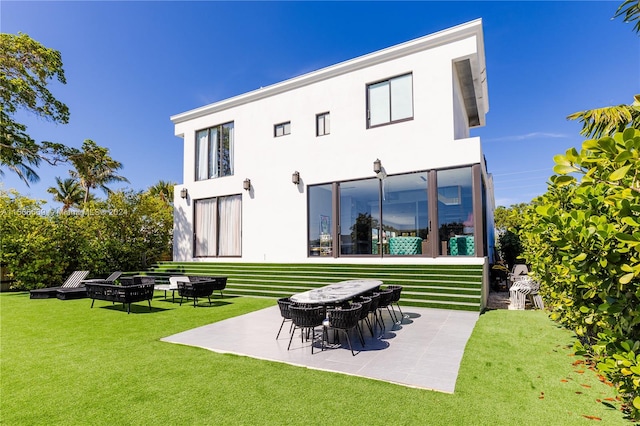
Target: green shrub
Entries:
(41, 247)
(582, 239)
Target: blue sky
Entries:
(131, 65)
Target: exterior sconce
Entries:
(246, 184)
(377, 166)
(295, 177)
(184, 193)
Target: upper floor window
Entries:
(323, 124)
(282, 129)
(214, 152)
(390, 100)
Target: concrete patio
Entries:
(423, 352)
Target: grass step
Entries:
(443, 286)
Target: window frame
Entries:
(285, 126)
(326, 118)
(389, 101)
(214, 160)
(429, 219)
(219, 219)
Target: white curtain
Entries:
(230, 225)
(202, 148)
(205, 227)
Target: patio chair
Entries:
(518, 271)
(386, 296)
(195, 289)
(345, 320)
(284, 304)
(373, 310)
(219, 283)
(307, 319)
(525, 287)
(74, 280)
(397, 290)
(365, 302)
(80, 292)
(535, 296)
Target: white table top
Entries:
(337, 292)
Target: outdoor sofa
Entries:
(80, 292)
(141, 290)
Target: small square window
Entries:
(282, 129)
(323, 124)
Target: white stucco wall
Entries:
(274, 218)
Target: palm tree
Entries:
(94, 168)
(163, 190)
(68, 192)
(608, 120)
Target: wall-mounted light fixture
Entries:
(184, 193)
(377, 166)
(246, 184)
(295, 177)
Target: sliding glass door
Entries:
(218, 226)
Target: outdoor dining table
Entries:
(336, 293)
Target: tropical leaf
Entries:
(619, 173)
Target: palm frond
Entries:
(606, 121)
(630, 10)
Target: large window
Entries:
(405, 214)
(455, 212)
(390, 100)
(388, 217)
(394, 216)
(218, 226)
(214, 152)
(359, 215)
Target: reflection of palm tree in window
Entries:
(226, 147)
(361, 233)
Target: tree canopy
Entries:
(26, 69)
(94, 168)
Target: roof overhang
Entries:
(473, 73)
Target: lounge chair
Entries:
(80, 292)
(74, 281)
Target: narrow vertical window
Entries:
(323, 124)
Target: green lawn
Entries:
(63, 363)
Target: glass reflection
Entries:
(359, 215)
(405, 217)
(455, 212)
(320, 220)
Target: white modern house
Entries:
(369, 161)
